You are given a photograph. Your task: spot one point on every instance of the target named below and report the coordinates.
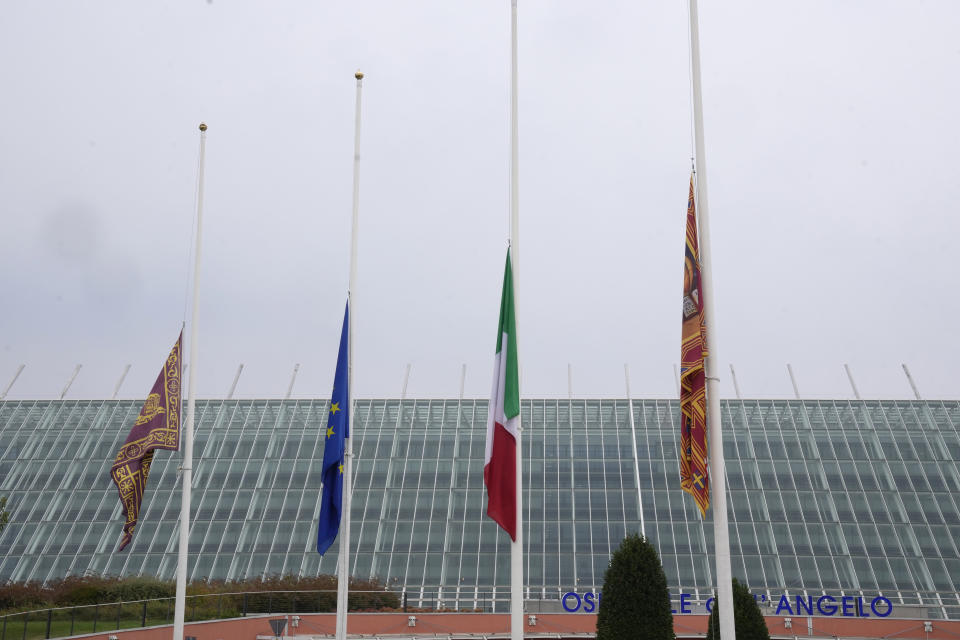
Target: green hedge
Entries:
(75, 590)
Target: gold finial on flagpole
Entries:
(358, 75)
(203, 126)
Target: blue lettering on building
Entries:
(588, 604)
(830, 609)
(847, 604)
(564, 602)
(784, 604)
(825, 605)
(873, 607)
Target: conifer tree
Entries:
(747, 617)
(635, 603)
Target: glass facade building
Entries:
(825, 496)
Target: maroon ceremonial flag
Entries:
(157, 427)
(694, 478)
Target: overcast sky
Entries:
(831, 143)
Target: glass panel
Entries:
(819, 491)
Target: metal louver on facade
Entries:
(826, 496)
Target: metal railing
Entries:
(920, 605)
(59, 622)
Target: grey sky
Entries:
(831, 133)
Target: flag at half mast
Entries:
(503, 418)
(338, 423)
(157, 427)
(694, 478)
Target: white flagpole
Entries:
(721, 530)
(636, 460)
(17, 375)
(516, 546)
(343, 561)
(187, 465)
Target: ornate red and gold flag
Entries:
(694, 478)
(157, 427)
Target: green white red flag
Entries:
(503, 418)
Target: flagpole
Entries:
(721, 529)
(636, 460)
(187, 464)
(343, 561)
(20, 370)
(516, 546)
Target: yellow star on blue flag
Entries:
(331, 496)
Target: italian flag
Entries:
(503, 418)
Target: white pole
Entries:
(187, 468)
(293, 379)
(913, 385)
(736, 387)
(236, 379)
(636, 459)
(676, 378)
(514, 154)
(793, 381)
(406, 379)
(70, 381)
(516, 546)
(123, 376)
(9, 386)
(343, 562)
(856, 393)
(721, 531)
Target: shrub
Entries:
(77, 590)
(141, 588)
(22, 594)
(88, 590)
(635, 603)
(747, 617)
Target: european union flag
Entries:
(331, 499)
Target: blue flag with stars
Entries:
(338, 420)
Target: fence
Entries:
(67, 621)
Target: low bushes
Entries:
(19, 596)
(77, 591)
